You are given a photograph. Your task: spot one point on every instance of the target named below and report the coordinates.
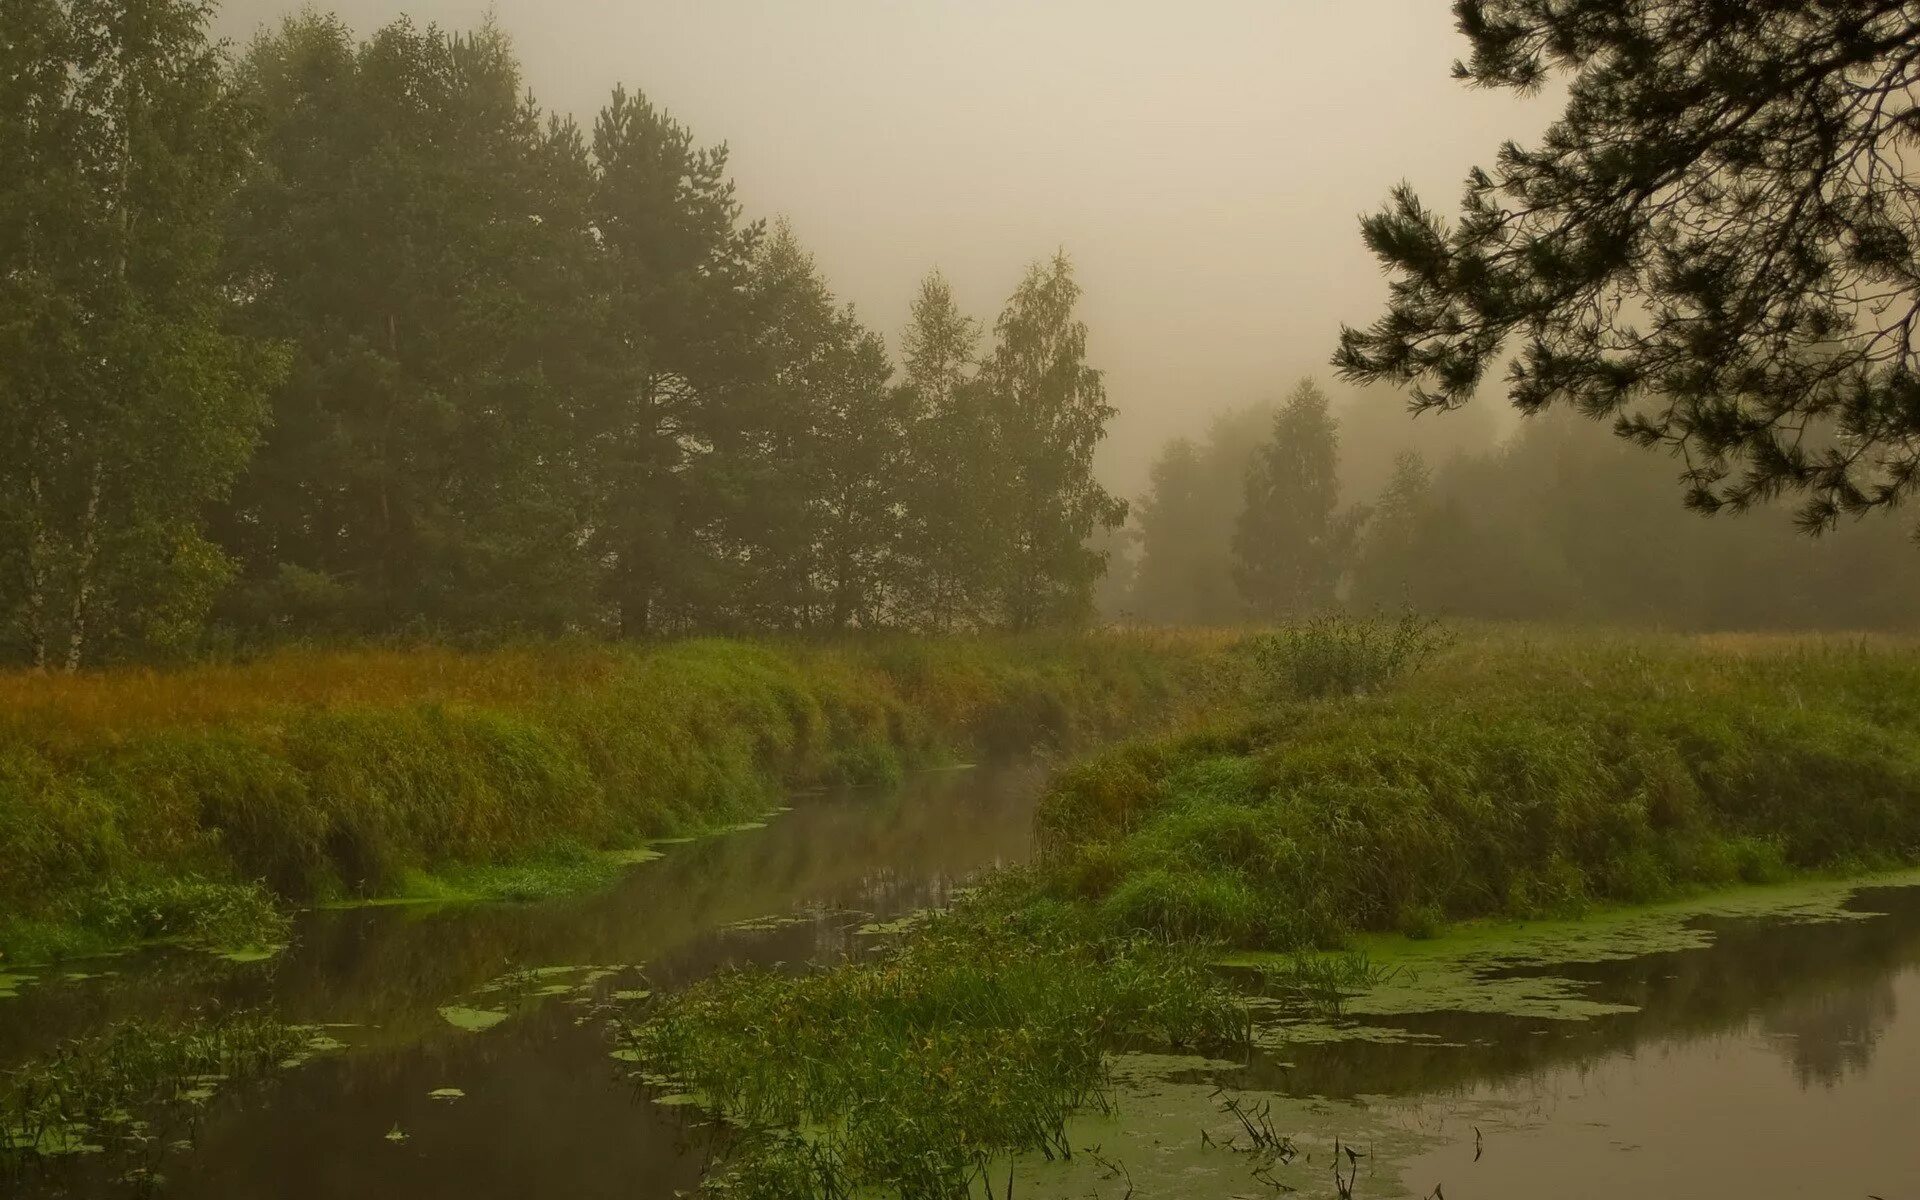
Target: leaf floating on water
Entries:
(396, 1134)
(251, 954)
(473, 1020)
(446, 1093)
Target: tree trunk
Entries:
(36, 580)
(83, 574)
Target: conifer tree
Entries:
(1186, 521)
(1713, 248)
(666, 429)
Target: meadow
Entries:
(195, 804)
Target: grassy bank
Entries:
(1515, 777)
(143, 805)
(1357, 778)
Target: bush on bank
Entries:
(1523, 780)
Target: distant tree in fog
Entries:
(1186, 520)
(1050, 411)
(1388, 568)
(1291, 544)
(949, 550)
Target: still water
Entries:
(1766, 1058)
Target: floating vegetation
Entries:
(916, 1071)
(397, 1134)
(525, 988)
(109, 1090)
(473, 1020)
(447, 1093)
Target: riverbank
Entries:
(1510, 775)
(192, 805)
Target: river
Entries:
(1760, 1056)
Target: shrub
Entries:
(1341, 656)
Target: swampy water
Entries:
(1762, 1047)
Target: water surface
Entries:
(1758, 1056)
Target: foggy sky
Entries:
(1205, 162)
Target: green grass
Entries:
(1518, 777)
(323, 777)
(913, 1074)
(185, 910)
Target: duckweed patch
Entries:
(1175, 1133)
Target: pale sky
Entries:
(1204, 162)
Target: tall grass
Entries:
(94, 1091)
(1520, 776)
(328, 775)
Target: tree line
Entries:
(348, 337)
(1252, 522)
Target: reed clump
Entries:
(976, 1039)
(99, 1091)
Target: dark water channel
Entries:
(1782, 1060)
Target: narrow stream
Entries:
(1775, 1059)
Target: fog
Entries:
(1205, 164)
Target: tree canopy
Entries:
(1714, 247)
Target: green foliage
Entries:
(1515, 779)
(128, 406)
(417, 231)
(1324, 981)
(185, 910)
(1335, 655)
(1702, 249)
(948, 550)
(1050, 411)
(975, 1039)
(1291, 544)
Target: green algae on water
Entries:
(1152, 1142)
(1473, 967)
(473, 1020)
